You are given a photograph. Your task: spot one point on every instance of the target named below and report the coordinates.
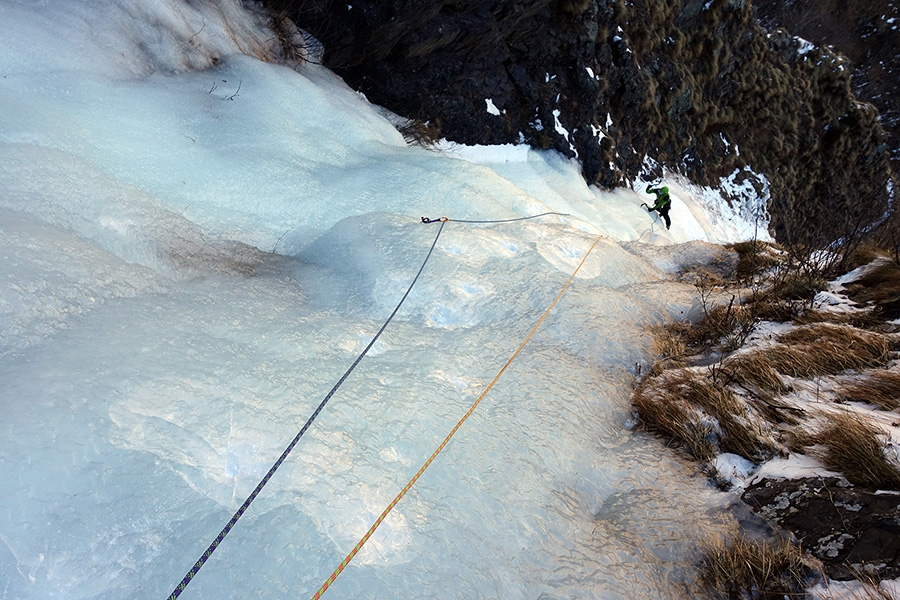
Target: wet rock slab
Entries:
(847, 528)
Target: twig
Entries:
(198, 33)
(281, 238)
(231, 97)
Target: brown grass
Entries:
(870, 583)
(745, 568)
(670, 416)
(880, 285)
(853, 448)
(881, 388)
(768, 307)
(740, 433)
(861, 320)
(755, 372)
(863, 254)
(668, 404)
(799, 286)
(754, 258)
(827, 349)
(420, 133)
(668, 341)
(872, 343)
(755, 369)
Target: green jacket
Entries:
(662, 197)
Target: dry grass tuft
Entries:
(420, 133)
(670, 416)
(812, 317)
(853, 448)
(668, 342)
(739, 432)
(669, 404)
(755, 369)
(755, 372)
(881, 388)
(799, 286)
(754, 258)
(870, 587)
(768, 307)
(863, 255)
(827, 349)
(879, 285)
(862, 320)
(745, 568)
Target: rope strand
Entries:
(406, 488)
(237, 515)
(445, 219)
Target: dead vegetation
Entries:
(737, 402)
(879, 289)
(853, 447)
(829, 349)
(864, 319)
(744, 568)
(755, 258)
(417, 132)
(675, 419)
(755, 370)
(704, 417)
(878, 285)
(881, 388)
(851, 444)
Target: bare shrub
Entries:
(420, 133)
(728, 325)
(743, 568)
(852, 447)
(881, 388)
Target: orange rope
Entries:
(390, 507)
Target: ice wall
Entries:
(191, 258)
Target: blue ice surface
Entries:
(192, 255)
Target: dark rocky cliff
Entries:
(696, 85)
(867, 32)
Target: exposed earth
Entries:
(849, 529)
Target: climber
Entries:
(663, 203)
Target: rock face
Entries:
(865, 31)
(695, 85)
(847, 528)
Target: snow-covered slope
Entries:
(197, 242)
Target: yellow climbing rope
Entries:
(390, 507)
